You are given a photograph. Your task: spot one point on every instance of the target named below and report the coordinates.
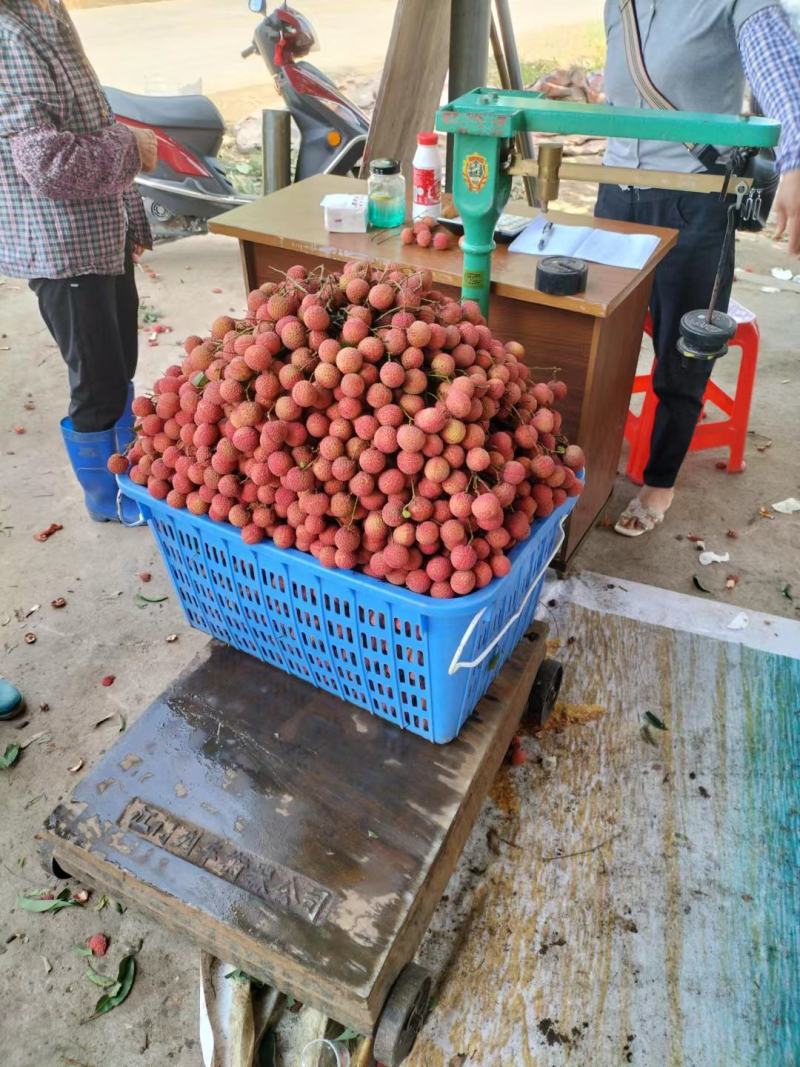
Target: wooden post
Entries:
(412, 81)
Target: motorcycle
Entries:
(189, 185)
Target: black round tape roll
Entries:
(561, 275)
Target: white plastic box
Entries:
(345, 213)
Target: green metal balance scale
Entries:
(487, 124)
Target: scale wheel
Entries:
(50, 865)
(544, 692)
(403, 1015)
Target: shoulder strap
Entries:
(653, 96)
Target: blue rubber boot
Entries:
(11, 701)
(88, 453)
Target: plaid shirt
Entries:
(770, 55)
(66, 167)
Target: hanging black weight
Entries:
(704, 339)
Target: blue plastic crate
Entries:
(421, 663)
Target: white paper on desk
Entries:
(630, 250)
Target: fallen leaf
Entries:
(9, 757)
(733, 534)
(43, 535)
(699, 585)
(108, 680)
(59, 602)
(102, 900)
(216, 289)
(106, 718)
(144, 576)
(739, 622)
(705, 558)
(82, 950)
(171, 638)
(76, 767)
(123, 985)
(787, 506)
(42, 901)
(765, 513)
(102, 980)
(653, 720)
(763, 447)
(122, 722)
(19, 429)
(141, 601)
(695, 537)
(786, 590)
(34, 737)
(44, 707)
(30, 639)
(47, 965)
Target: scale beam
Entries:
(485, 122)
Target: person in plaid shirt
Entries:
(71, 223)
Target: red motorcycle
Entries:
(189, 185)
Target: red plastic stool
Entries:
(730, 433)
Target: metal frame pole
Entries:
(470, 22)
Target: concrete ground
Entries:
(103, 631)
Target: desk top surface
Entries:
(292, 219)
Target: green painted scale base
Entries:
(484, 123)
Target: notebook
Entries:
(629, 250)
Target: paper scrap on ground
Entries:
(787, 506)
(629, 250)
(712, 557)
(739, 622)
(782, 273)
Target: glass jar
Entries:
(386, 189)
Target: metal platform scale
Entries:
(283, 829)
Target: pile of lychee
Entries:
(365, 418)
(427, 233)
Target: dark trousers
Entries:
(94, 321)
(683, 282)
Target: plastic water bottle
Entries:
(427, 178)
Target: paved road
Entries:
(162, 47)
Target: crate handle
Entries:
(455, 664)
(139, 522)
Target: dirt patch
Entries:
(566, 715)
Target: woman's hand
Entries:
(787, 210)
(147, 145)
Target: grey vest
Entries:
(691, 53)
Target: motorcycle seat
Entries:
(184, 112)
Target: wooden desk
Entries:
(593, 338)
